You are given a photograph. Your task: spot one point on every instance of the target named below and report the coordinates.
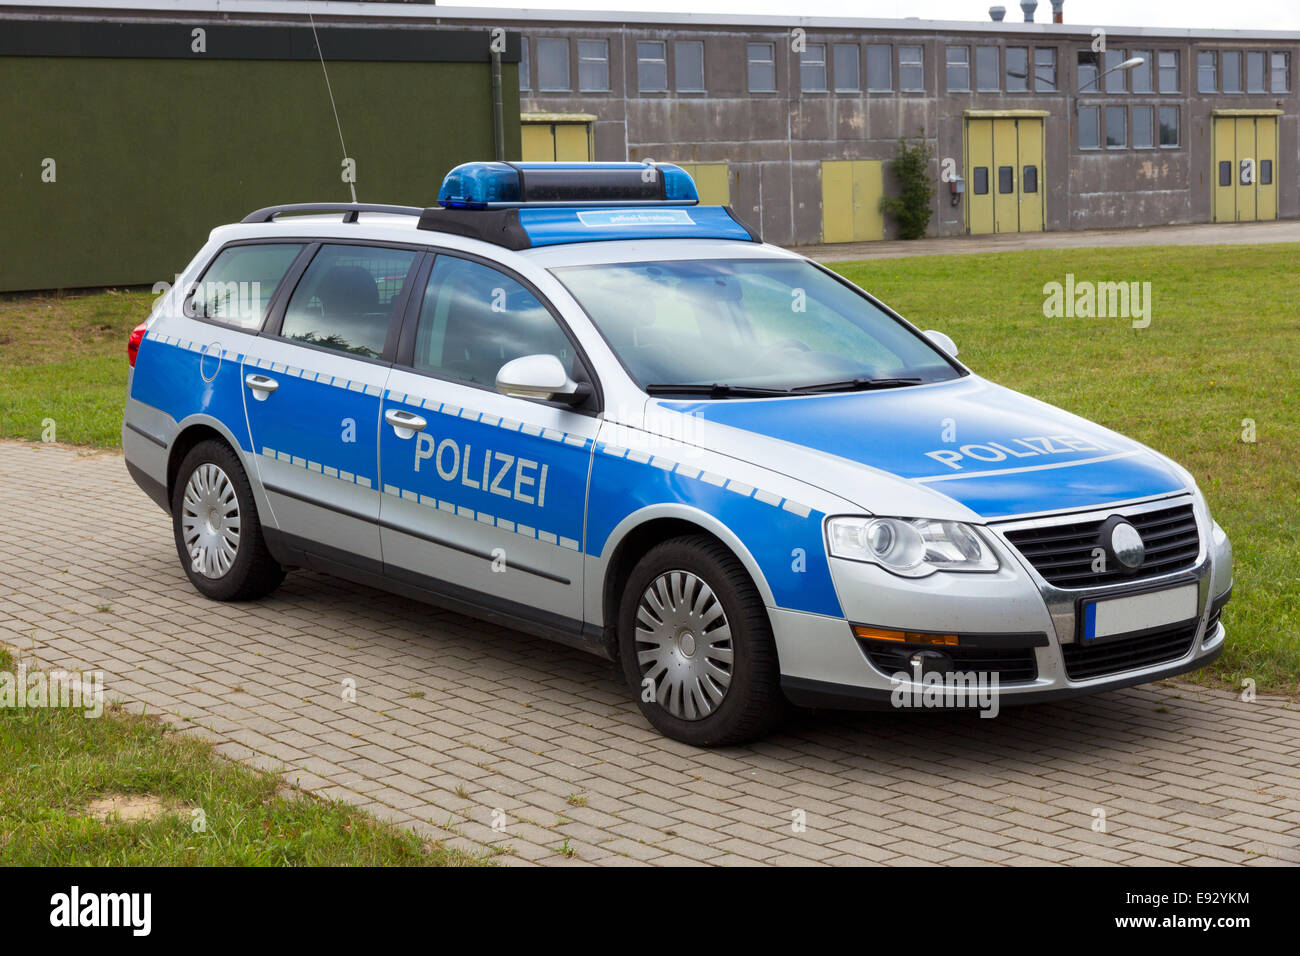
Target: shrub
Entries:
(911, 207)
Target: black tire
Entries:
(752, 703)
(253, 573)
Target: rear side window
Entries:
(474, 319)
(347, 297)
(238, 286)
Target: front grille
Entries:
(1011, 664)
(1063, 553)
(1083, 661)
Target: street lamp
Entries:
(1131, 63)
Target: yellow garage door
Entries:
(1245, 167)
(851, 191)
(1004, 174)
(548, 142)
(712, 180)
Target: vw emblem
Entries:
(1122, 540)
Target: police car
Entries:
(571, 400)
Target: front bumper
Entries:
(823, 664)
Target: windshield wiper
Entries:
(856, 385)
(716, 390)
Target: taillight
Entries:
(133, 343)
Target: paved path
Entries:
(1201, 234)
(455, 721)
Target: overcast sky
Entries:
(1204, 14)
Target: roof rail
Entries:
(350, 210)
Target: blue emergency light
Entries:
(501, 185)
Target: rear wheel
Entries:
(696, 645)
(218, 536)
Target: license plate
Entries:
(1138, 612)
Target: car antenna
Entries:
(352, 185)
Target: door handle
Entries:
(262, 386)
(405, 424)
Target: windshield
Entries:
(751, 324)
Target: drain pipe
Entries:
(498, 109)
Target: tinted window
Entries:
(238, 286)
(345, 299)
(690, 65)
(474, 319)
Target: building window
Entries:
(1142, 128)
(958, 63)
(1089, 133)
(848, 68)
(987, 73)
(1168, 126)
(1116, 81)
(1168, 60)
(812, 68)
(689, 65)
(1255, 64)
(593, 66)
(552, 64)
(1266, 172)
(1142, 74)
(1045, 69)
(1231, 71)
(762, 67)
(525, 66)
(1116, 127)
(1207, 70)
(880, 69)
(1087, 72)
(1016, 62)
(911, 70)
(1281, 72)
(652, 66)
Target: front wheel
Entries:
(218, 537)
(697, 647)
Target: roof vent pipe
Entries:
(1058, 14)
(1029, 6)
(997, 13)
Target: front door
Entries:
(484, 495)
(312, 387)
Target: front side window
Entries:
(880, 69)
(474, 319)
(1207, 72)
(239, 284)
(761, 323)
(1168, 60)
(593, 66)
(762, 67)
(1017, 69)
(911, 70)
(652, 66)
(958, 66)
(1045, 69)
(986, 69)
(346, 298)
(552, 64)
(1089, 131)
(812, 68)
(1231, 71)
(848, 68)
(689, 65)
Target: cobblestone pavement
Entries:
(455, 721)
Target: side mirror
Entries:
(943, 341)
(542, 377)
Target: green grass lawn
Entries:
(56, 764)
(1223, 345)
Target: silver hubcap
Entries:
(684, 645)
(210, 521)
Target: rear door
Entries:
(484, 494)
(312, 386)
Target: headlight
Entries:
(912, 547)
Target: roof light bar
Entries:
(498, 185)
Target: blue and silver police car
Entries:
(572, 400)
